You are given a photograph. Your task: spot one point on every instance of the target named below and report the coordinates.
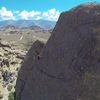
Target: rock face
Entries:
(27, 66)
(69, 68)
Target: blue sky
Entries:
(36, 9)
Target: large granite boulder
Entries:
(69, 68)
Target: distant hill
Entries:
(28, 23)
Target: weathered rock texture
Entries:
(31, 58)
(9, 63)
(69, 68)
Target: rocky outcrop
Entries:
(69, 68)
(5, 44)
(9, 65)
(31, 58)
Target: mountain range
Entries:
(28, 23)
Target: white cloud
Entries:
(46, 14)
(25, 14)
(16, 12)
(38, 18)
(52, 11)
(6, 15)
(52, 14)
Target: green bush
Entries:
(11, 96)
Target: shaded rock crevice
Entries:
(59, 77)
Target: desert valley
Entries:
(14, 44)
